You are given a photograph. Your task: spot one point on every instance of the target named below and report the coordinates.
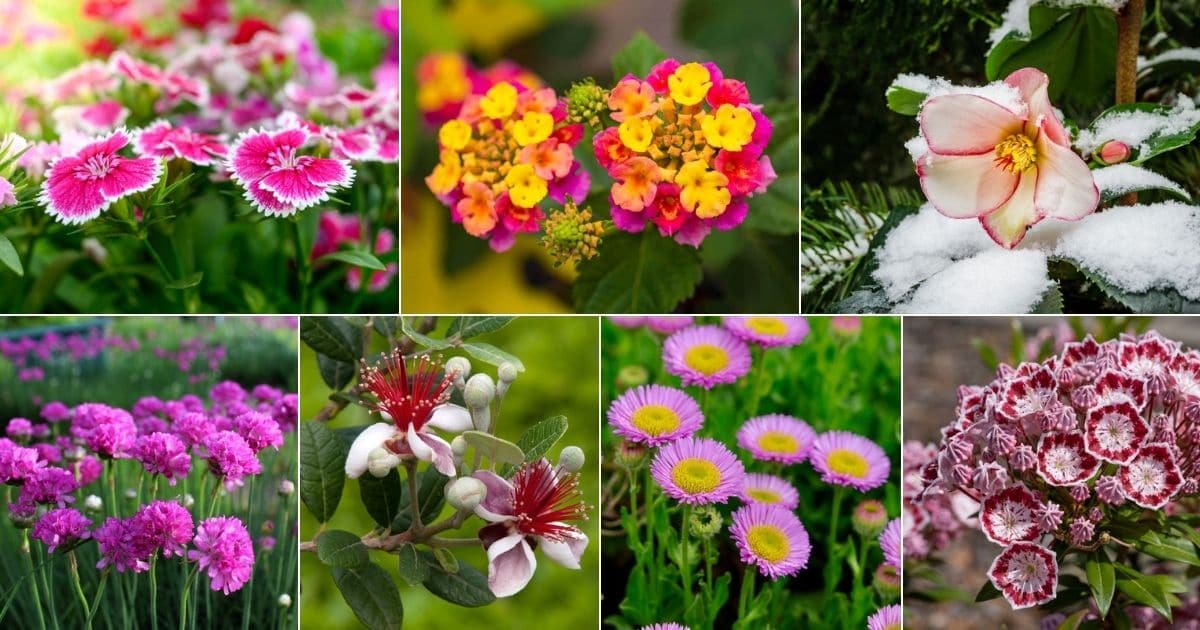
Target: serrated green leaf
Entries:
(9, 256)
(424, 340)
(637, 273)
(538, 439)
(1167, 136)
(1051, 302)
(466, 587)
(322, 469)
(492, 355)
(1102, 580)
(1076, 48)
(637, 57)
(467, 327)
(412, 568)
(333, 337)
(430, 498)
(496, 449)
(903, 100)
(356, 257)
(336, 374)
(371, 594)
(339, 548)
(382, 496)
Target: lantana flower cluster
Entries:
(686, 151)
(1055, 452)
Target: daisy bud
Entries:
(887, 582)
(286, 488)
(479, 392)
(464, 493)
(93, 503)
(571, 458)
(1113, 152)
(285, 601)
(631, 454)
(869, 518)
(460, 367)
(632, 376)
(381, 461)
(706, 522)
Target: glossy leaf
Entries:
(987, 592)
(371, 594)
(1143, 590)
(467, 327)
(1102, 580)
(336, 374)
(322, 469)
(1076, 48)
(903, 100)
(382, 496)
(466, 587)
(9, 257)
(333, 337)
(339, 548)
(1168, 134)
(492, 355)
(496, 449)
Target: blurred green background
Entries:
(559, 354)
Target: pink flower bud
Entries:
(1113, 152)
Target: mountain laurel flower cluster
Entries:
(686, 151)
(1067, 455)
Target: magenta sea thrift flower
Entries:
(161, 140)
(224, 549)
(777, 438)
(279, 181)
(55, 412)
(163, 454)
(771, 538)
(19, 429)
(122, 546)
(230, 458)
(768, 331)
(61, 528)
(769, 490)
(654, 415)
(1026, 574)
(706, 356)
(50, 485)
(259, 430)
(166, 525)
(846, 459)
(17, 463)
(82, 185)
(697, 471)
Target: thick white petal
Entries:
(510, 565)
(451, 418)
(370, 439)
(566, 553)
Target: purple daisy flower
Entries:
(229, 456)
(122, 546)
(697, 471)
(777, 438)
(166, 525)
(61, 528)
(768, 331)
(654, 415)
(706, 356)
(769, 490)
(627, 321)
(669, 324)
(889, 542)
(886, 618)
(224, 549)
(771, 538)
(846, 459)
(163, 454)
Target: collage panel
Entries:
(1051, 471)
(150, 470)
(199, 156)
(752, 472)
(449, 472)
(603, 156)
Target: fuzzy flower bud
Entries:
(285, 601)
(507, 372)
(286, 488)
(479, 391)
(464, 493)
(1082, 531)
(586, 102)
(1049, 516)
(570, 235)
(1108, 489)
(22, 514)
(460, 367)
(381, 461)
(631, 454)
(1080, 493)
(1113, 152)
(571, 458)
(887, 582)
(458, 446)
(869, 518)
(632, 376)
(1022, 458)
(706, 522)
(93, 503)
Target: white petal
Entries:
(418, 446)
(443, 457)
(566, 553)
(370, 439)
(450, 418)
(510, 565)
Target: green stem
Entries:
(43, 572)
(73, 563)
(154, 592)
(246, 607)
(652, 534)
(633, 507)
(862, 559)
(833, 520)
(183, 598)
(685, 566)
(33, 579)
(747, 593)
(759, 373)
(99, 598)
(303, 265)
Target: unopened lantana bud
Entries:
(632, 376)
(460, 367)
(887, 582)
(464, 493)
(1113, 152)
(706, 522)
(586, 103)
(869, 518)
(479, 392)
(286, 488)
(381, 462)
(571, 458)
(570, 235)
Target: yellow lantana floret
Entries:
(533, 128)
(525, 188)
(446, 174)
(689, 84)
(702, 191)
(454, 135)
(499, 101)
(730, 128)
(636, 133)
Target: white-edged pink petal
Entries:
(497, 505)
(1008, 223)
(1033, 84)
(1065, 187)
(966, 186)
(566, 552)
(370, 439)
(966, 124)
(510, 565)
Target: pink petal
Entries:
(150, 140)
(1034, 87)
(626, 220)
(497, 504)
(443, 457)
(567, 552)
(131, 176)
(1008, 223)
(68, 199)
(510, 565)
(1065, 186)
(733, 216)
(266, 202)
(966, 186)
(966, 124)
(292, 186)
(328, 172)
(249, 162)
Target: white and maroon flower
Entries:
(161, 140)
(414, 405)
(81, 185)
(1029, 396)
(1063, 461)
(1114, 386)
(1149, 358)
(1026, 574)
(1152, 478)
(1009, 164)
(1114, 432)
(1082, 361)
(279, 180)
(1185, 383)
(1010, 516)
(531, 511)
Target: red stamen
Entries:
(543, 498)
(409, 403)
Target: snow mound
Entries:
(996, 281)
(998, 92)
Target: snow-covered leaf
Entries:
(1119, 179)
(1147, 128)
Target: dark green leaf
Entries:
(386, 325)
(538, 439)
(43, 288)
(988, 592)
(322, 469)
(1167, 548)
(1143, 590)
(8, 256)
(637, 273)
(1072, 622)
(777, 211)
(382, 496)
(1076, 48)
(356, 257)
(1102, 579)
(333, 337)
(903, 100)
(1156, 301)
(412, 568)
(492, 355)
(467, 327)
(637, 57)
(1051, 302)
(430, 497)
(467, 587)
(336, 374)
(1130, 178)
(1167, 136)
(339, 548)
(371, 594)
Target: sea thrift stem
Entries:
(183, 598)
(33, 579)
(44, 572)
(98, 599)
(250, 583)
(410, 468)
(154, 592)
(73, 563)
(1129, 31)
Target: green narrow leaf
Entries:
(425, 340)
(339, 548)
(8, 256)
(336, 374)
(412, 568)
(430, 497)
(467, 327)
(637, 273)
(1143, 590)
(333, 337)
(987, 592)
(191, 280)
(466, 587)
(322, 469)
(356, 257)
(1102, 579)
(382, 496)
(496, 449)
(371, 594)
(492, 355)
(637, 57)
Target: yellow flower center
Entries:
(696, 475)
(655, 420)
(770, 326)
(762, 495)
(846, 462)
(499, 101)
(768, 542)
(706, 358)
(1016, 153)
(777, 442)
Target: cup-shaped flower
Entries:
(1152, 478)
(414, 404)
(1062, 460)
(278, 178)
(80, 186)
(1010, 516)
(1114, 432)
(1026, 574)
(532, 510)
(1007, 162)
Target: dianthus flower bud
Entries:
(1113, 152)
(632, 376)
(570, 235)
(887, 582)
(479, 392)
(869, 518)
(706, 522)
(586, 102)
(571, 458)
(381, 461)
(460, 367)
(286, 488)
(464, 493)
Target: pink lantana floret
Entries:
(280, 181)
(79, 187)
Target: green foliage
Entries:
(466, 587)
(371, 593)
(1164, 139)
(637, 273)
(637, 57)
(322, 469)
(1076, 48)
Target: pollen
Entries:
(706, 358)
(1016, 153)
(847, 462)
(778, 442)
(770, 326)
(768, 542)
(762, 495)
(655, 419)
(696, 475)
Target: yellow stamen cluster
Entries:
(1016, 153)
